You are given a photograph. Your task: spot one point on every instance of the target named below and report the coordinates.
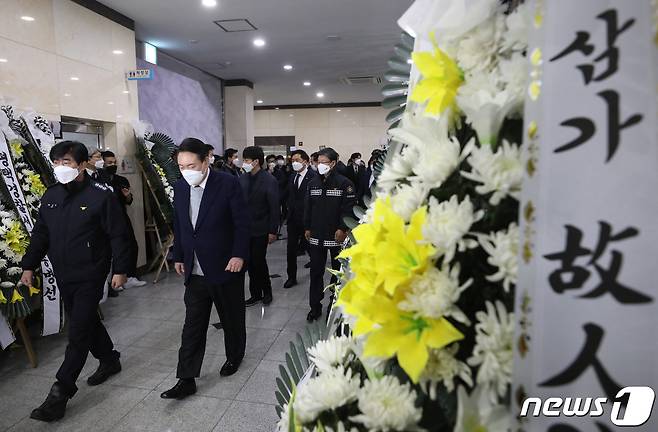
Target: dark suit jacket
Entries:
(357, 178)
(296, 197)
(262, 194)
(222, 228)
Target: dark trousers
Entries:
(295, 238)
(86, 332)
(259, 274)
(199, 297)
(318, 263)
(134, 249)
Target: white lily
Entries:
(475, 413)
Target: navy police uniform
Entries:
(329, 199)
(81, 227)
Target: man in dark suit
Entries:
(297, 187)
(262, 193)
(211, 231)
(357, 173)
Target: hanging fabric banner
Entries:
(51, 301)
(587, 306)
(6, 335)
(40, 131)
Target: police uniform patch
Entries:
(83, 208)
(350, 189)
(100, 186)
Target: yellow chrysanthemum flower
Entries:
(36, 185)
(16, 238)
(34, 291)
(441, 78)
(16, 297)
(16, 148)
(3, 299)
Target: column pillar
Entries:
(239, 113)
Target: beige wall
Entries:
(67, 40)
(346, 130)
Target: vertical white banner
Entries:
(587, 302)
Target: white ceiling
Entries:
(296, 32)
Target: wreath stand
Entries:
(27, 342)
(151, 226)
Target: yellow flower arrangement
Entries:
(17, 297)
(3, 299)
(16, 238)
(16, 148)
(36, 185)
(387, 256)
(441, 78)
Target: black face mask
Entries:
(111, 170)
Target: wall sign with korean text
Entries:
(586, 351)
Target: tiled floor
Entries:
(145, 324)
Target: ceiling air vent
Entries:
(363, 79)
(236, 25)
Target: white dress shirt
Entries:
(195, 200)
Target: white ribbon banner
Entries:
(51, 302)
(587, 302)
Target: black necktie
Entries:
(297, 180)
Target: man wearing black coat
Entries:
(211, 223)
(297, 188)
(82, 229)
(262, 194)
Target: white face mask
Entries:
(237, 162)
(357, 161)
(211, 160)
(247, 167)
(297, 166)
(314, 167)
(99, 164)
(323, 168)
(192, 177)
(271, 165)
(280, 162)
(65, 174)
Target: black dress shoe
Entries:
(104, 371)
(54, 407)
(253, 301)
(182, 389)
(290, 283)
(314, 315)
(229, 368)
(307, 265)
(267, 300)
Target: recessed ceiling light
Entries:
(287, 67)
(259, 42)
(67, 94)
(110, 103)
(209, 3)
(320, 94)
(259, 101)
(3, 60)
(126, 92)
(27, 18)
(337, 110)
(75, 78)
(307, 83)
(333, 38)
(194, 41)
(276, 108)
(117, 52)
(291, 115)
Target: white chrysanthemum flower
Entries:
(387, 405)
(3, 263)
(397, 169)
(478, 49)
(331, 353)
(6, 284)
(407, 198)
(434, 294)
(513, 75)
(515, 37)
(494, 335)
(14, 271)
(447, 223)
(503, 249)
(340, 427)
(486, 104)
(477, 413)
(283, 424)
(328, 391)
(444, 367)
(500, 172)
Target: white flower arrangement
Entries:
(477, 413)
(500, 173)
(503, 250)
(387, 405)
(493, 349)
(444, 367)
(334, 352)
(330, 390)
